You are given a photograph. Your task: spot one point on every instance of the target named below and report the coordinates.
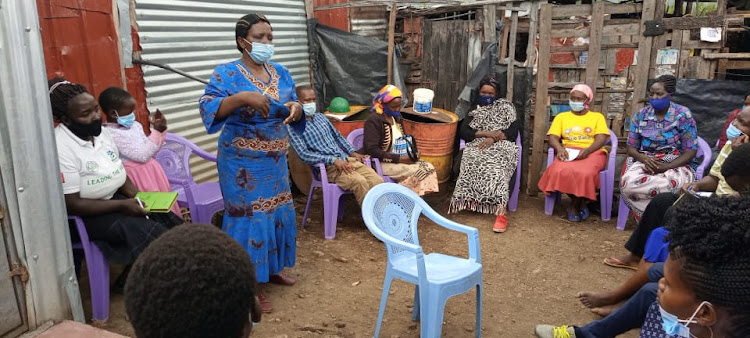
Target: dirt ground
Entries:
(532, 273)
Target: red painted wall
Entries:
(338, 18)
(80, 43)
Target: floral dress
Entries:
(253, 172)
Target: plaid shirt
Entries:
(319, 142)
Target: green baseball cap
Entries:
(339, 105)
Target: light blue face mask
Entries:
(576, 106)
(309, 108)
(261, 53)
(674, 326)
(733, 131)
(127, 120)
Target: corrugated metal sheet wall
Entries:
(370, 21)
(195, 36)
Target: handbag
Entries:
(406, 145)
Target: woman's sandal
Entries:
(617, 263)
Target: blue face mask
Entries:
(389, 112)
(733, 132)
(576, 106)
(486, 100)
(674, 326)
(660, 104)
(127, 120)
(309, 108)
(261, 53)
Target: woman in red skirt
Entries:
(578, 137)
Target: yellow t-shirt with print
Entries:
(578, 131)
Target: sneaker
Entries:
(501, 223)
(549, 331)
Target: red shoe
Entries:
(501, 223)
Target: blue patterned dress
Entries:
(252, 165)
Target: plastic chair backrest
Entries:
(396, 216)
(704, 150)
(356, 138)
(174, 157)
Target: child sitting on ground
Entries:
(705, 291)
(320, 142)
(136, 149)
(193, 281)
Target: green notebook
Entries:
(157, 201)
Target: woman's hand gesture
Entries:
(257, 101)
(486, 143)
(562, 154)
(295, 112)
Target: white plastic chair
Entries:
(391, 212)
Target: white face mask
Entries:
(309, 108)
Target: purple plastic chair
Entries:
(513, 201)
(204, 199)
(98, 269)
(606, 182)
(333, 205)
(703, 150)
(356, 138)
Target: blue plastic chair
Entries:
(391, 212)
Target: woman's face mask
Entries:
(486, 100)
(733, 131)
(261, 52)
(388, 111)
(660, 104)
(674, 326)
(576, 106)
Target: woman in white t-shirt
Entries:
(94, 181)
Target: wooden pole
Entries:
(531, 47)
(511, 66)
(595, 45)
(391, 34)
(644, 58)
(489, 13)
(309, 13)
(540, 107)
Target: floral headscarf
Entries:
(586, 90)
(385, 95)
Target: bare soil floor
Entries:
(532, 273)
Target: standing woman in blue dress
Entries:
(249, 100)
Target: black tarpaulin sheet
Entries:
(348, 65)
(711, 101)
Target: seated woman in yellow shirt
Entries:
(578, 137)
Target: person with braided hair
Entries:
(705, 287)
(662, 144)
(94, 181)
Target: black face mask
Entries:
(85, 131)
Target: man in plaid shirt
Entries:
(320, 142)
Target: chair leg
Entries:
(307, 208)
(98, 269)
(513, 201)
(383, 300)
(622, 214)
(330, 213)
(432, 315)
(415, 309)
(478, 329)
(342, 208)
(549, 203)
